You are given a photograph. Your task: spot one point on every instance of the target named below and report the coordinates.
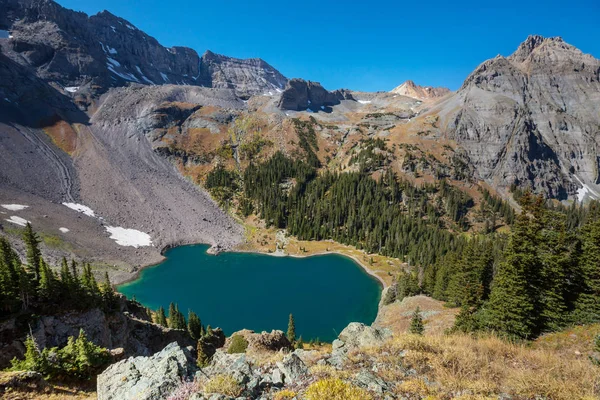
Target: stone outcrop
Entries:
(300, 95)
(531, 119)
(166, 372)
(128, 329)
(356, 335)
(147, 378)
(264, 341)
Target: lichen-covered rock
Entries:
(293, 369)
(146, 378)
(264, 341)
(356, 335)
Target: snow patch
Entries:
(4, 34)
(63, 230)
(17, 220)
(585, 191)
(144, 76)
(131, 27)
(364, 101)
(165, 78)
(113, 62)
(322, 107)
(111, 50)
(14, 207)
(309, 110)
(72, 89)
(126, 76)
(80, 208)
(129, 237)
(113, 28)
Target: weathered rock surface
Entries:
(300, 95)
(147, 378)
(264, 341)
(531, 119)
(356, 335)
(129, 329)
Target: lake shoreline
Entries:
(136, 274)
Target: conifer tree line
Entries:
(388, 216)
(35, 287)
(542, 277)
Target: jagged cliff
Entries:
(87, 55)
(531, 119)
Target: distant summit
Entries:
(410, 89)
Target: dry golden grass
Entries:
(285, 394)
(222, 384)
(486, 366)
(335, 389)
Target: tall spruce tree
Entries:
(291, 331)
(194, 325)
(511, 308)
(34, 255)
(160, 317)
(587, 303)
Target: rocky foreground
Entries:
(268, 367)
(365, 363)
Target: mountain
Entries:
(531, 119)
(410, 89)
(94, 53)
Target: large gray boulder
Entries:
(147, 378)
(356, 335)
(293, 369)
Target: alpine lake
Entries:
(236, 291)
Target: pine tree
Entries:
(587, 304)
(160, 317)
(194, 325)
(33, 252)
(108, 293)
(416, 323)
(291, 331)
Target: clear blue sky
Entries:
(361, 45)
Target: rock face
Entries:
(531, 119)
(147, 378)
(410, 89)
(129, 328)
(300, 95)
(91, 54)
(246, 77)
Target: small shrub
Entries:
(285, 394)
(184, 391)
(223, 384)
(335, 389)
(238, 345)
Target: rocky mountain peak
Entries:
(411, 89)
(531, 118)
(104, 50)
(530, 44)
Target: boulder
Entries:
(293, 369)
(360, 335)
(264, 341)
(146, 378)
(354, 336)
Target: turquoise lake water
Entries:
(256, 291)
